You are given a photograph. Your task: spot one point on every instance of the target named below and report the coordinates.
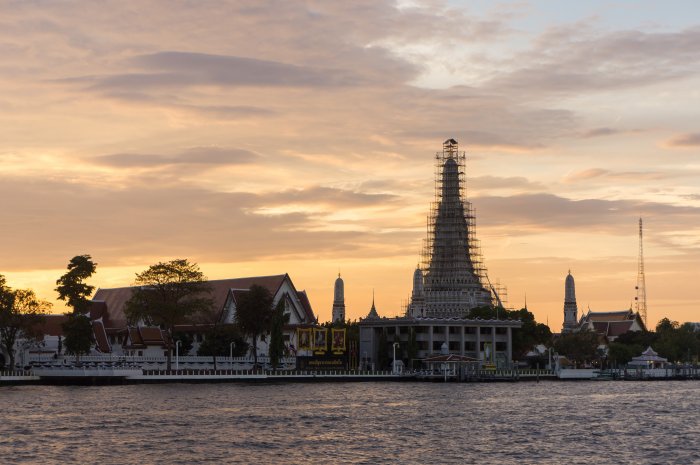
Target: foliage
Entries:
(675, 342)
(218, 342)
(186, 343)
(71, 286)
(580, 347)
(620, 354)
(167, 294)
(254, 314)
(21, 312)
(77, 331)
(278, 320)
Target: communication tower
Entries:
(641, 298)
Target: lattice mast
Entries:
(641, 297)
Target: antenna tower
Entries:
(641, 298)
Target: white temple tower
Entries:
(339, 300)
(570, 307)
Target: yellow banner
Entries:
(320, 341)
(338, 341)
(304, 338)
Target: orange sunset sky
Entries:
(264, 137)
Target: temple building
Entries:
(570, 307)
(611, 324)
(608, 325)
(450, 282)
(338, 300)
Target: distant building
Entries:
(449, 284)
(570, 307)
(611, 325)
(452, 279)
(339, 300)
(114, 335)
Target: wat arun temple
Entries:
(447, 285)
(451, 279)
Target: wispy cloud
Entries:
(685, 140)
(214, 156)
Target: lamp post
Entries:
(230, 353)
(393, 363)
(177, 355)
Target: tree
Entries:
(71, 286)
(72, 289)
(21, 312)
(218, 343)
(580, 347)
(167, 294)
(78, 335)
(186, 343)
(278, 320)
(254, 314)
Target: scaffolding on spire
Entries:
(451, 262)
(641, 297)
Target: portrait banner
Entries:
(320, 341)
(338, 341)
(304, 336)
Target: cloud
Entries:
(539, 212)
(597, 132)
(617, 176)
(59, 219)
(574, 58)
(685, 140)
(203, 156)
(328, 195)
(484, 183)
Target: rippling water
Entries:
(548, 422)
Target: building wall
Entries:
(472, 338)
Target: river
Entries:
(382, 422)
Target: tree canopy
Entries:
(21, 312)
(254, 314)
(277, 322)
(167, 294)
(71, 287)
(78, 335)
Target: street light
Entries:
(230, 353)
(177, 354)
(393, 364)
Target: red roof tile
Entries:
(52, 325)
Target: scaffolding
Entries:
(451, 259)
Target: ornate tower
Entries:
(570, 307)
(339, 300)
(452, 270)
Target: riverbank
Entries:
(119, 375)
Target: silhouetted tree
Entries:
(72, 289)
(217, 343)
(71, 286)
(278, 320)
(78, 335)
(21, 313)
(580, 347)
(167, 294)
(254, 314)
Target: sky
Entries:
(267, 137)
